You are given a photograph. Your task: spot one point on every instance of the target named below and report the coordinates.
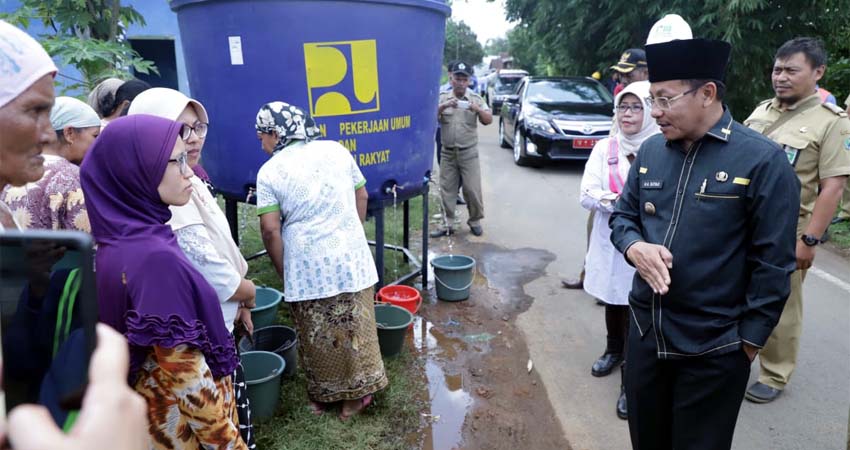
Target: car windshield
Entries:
(507, 85)
(567, 91)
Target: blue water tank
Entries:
(366, 70)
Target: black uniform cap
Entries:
(688, 59)
(462, 67)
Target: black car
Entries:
(555, 118)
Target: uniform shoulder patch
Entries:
(835, 109)
(764, 103)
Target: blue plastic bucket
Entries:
(367, 70)
(268, 302)
(453, 275)
(262, 375)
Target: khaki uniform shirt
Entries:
(816, 138)
(459, 127)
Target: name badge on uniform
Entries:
(651, 184)
(793, 154)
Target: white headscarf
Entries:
(166, 103)
(23, 61)
(70, 112)
(629, 145)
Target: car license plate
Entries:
(584, 143)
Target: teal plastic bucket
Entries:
(262, 375)
(453, 275)
(278, 339)
(265, 313)
(392, 322)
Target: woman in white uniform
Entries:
(608, 275)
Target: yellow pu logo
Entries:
(342, 77)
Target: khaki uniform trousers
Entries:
(779, 355)
(454, 165)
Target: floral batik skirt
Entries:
(338, 346)
(187, 408)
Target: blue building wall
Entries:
(161, 22)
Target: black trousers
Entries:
(686, 404)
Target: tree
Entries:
(496, 46)
(461, 44)
(581, 36)
(87, 34)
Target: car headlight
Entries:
(539, 123)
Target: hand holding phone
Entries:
(112, 412)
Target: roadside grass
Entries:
(393, 419)
(839, 235)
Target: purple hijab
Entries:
(147, 289)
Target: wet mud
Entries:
(483, 392)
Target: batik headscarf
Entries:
(629, 144)
(23, 61)
(147, 289)
(289, 122)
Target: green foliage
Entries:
(87, 34)
(461, 44)
(496, 46)
(581, 36)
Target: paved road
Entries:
(539, 208)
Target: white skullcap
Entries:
(670, 28)
(166, 103)
(70, 112)
(23, 61)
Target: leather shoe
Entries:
(605, 364)
(476, 230)
(762, 393)
(573, 284)
(441, 232)
(622, 411)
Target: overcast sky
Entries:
(487, 19)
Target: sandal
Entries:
(362, 404)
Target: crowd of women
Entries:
(170, 278)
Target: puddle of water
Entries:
(449, 402)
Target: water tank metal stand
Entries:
(420, 265)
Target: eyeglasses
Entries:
(635, 108)
(200, 129)
(182, 161)
(664, 103)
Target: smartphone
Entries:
(463, 104)
(48, 313)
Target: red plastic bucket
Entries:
(400, 295)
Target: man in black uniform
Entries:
(708, 217)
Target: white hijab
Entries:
(629, 144)
(23, 61)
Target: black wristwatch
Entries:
(809, 240)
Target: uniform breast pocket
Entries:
(470, 117)
(448, 115)
(794, 147)
(720, 201)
